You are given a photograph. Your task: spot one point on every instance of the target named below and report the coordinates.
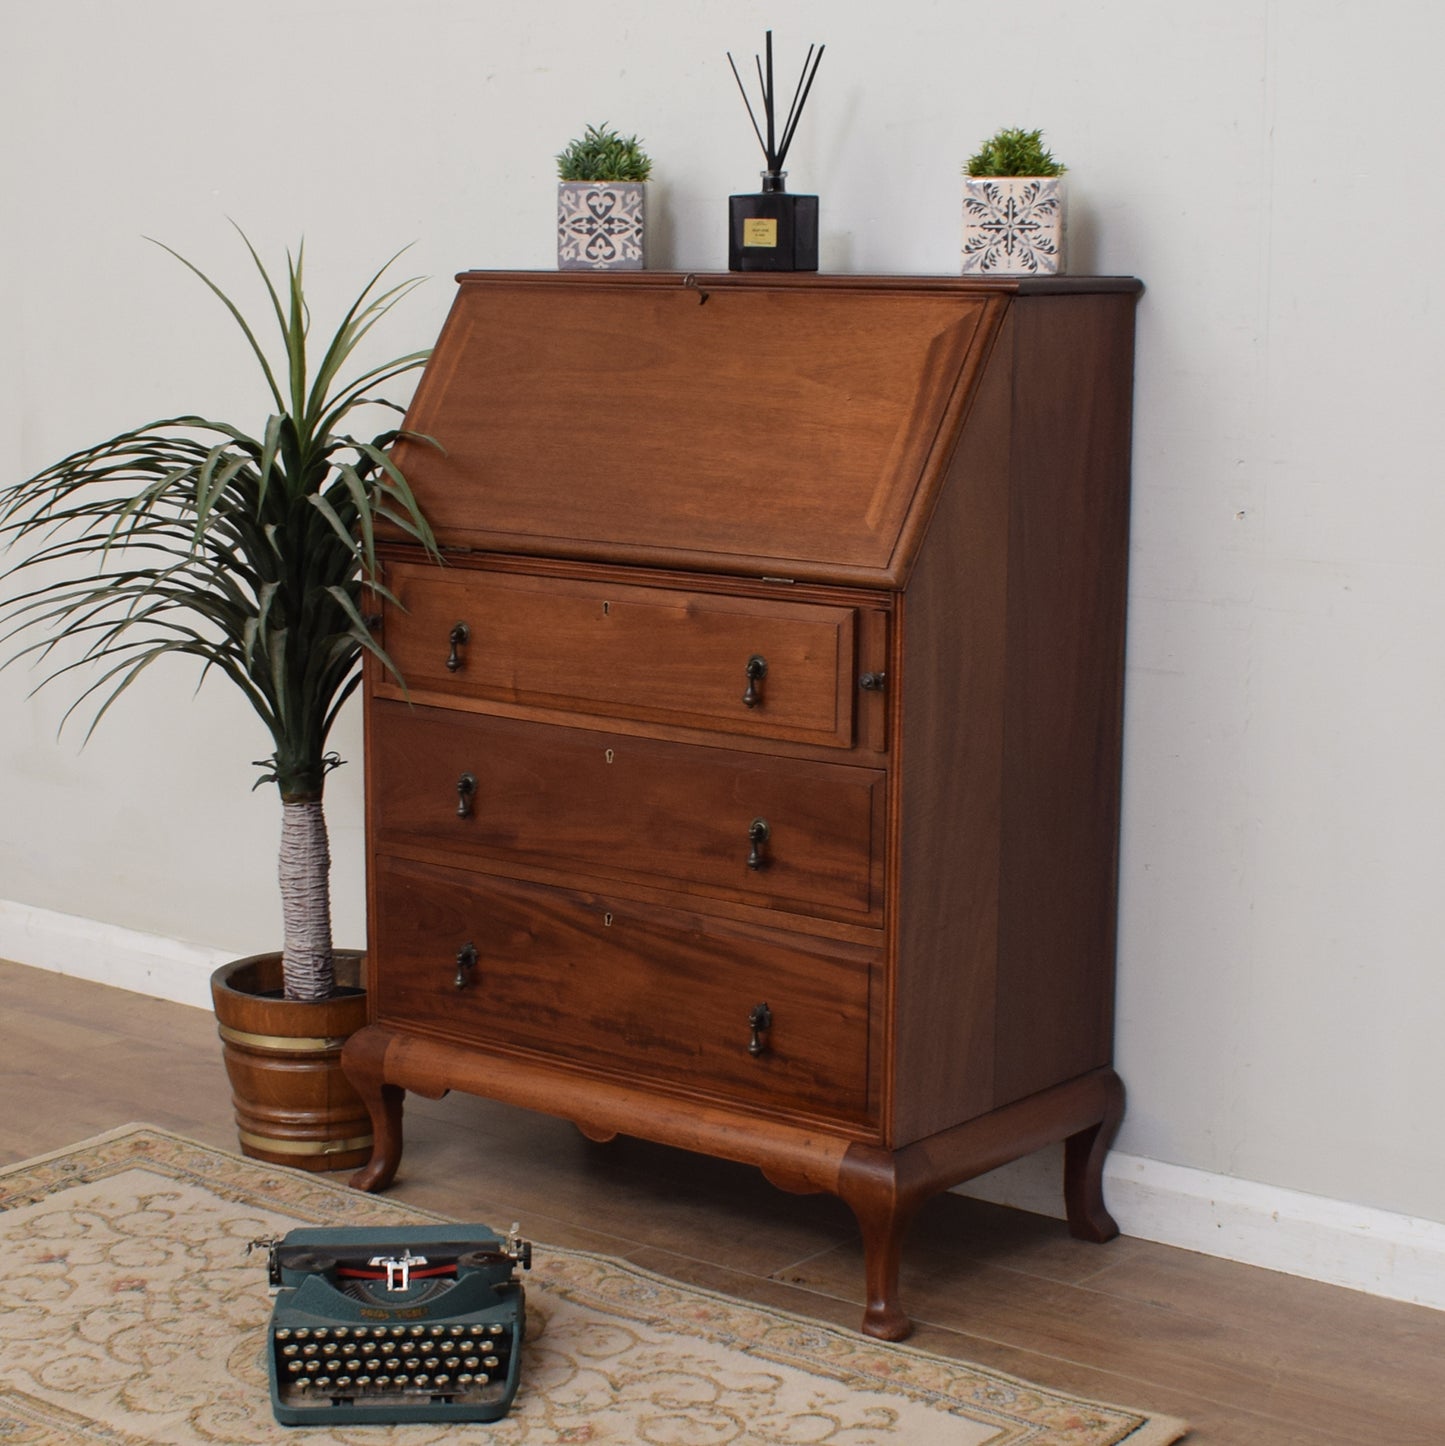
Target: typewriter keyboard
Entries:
(370, 1363)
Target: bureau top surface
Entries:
(796, 426)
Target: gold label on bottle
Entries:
(760, 231)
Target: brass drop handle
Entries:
(466, 962)
(760, 1021)
(757, 670)
(460, 634)
(466, 794)
(758, 834)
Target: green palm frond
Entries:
(253, 554)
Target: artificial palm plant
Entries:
(253, 553)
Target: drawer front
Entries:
(642, 992)
(657, 655)
(779, 833)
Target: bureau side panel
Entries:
(1068, 546)
(950, 671)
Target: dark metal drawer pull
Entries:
(760, 1021)
(458, 635)
(757, 670)
(466, 794)
(466, 962)
(758, 834)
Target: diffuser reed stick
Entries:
(775, 148)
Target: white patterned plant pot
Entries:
(600, 225)
(1013, 225)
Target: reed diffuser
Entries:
(772, 230)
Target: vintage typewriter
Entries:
(409, 1323)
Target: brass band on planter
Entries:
(298, 1045)
(304, 1147)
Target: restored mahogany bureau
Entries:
(755, 788)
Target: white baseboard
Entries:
(108, 954)
(1395, 1256)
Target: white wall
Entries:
(1264, 165)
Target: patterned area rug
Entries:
(129, 1313)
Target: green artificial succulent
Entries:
(1014, 152)
(600, 154)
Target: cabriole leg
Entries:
(1084, 1155)
(362, 1060)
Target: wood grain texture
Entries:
(643, 419)
(612, 806)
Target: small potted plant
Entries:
(251, 552)
(1013, 208)
(601, 202)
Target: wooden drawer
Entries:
(512, 795)
(657, 655)
(632, 989)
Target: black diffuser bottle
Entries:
(772, 230)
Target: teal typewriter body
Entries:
(408, 1323)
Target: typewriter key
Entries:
(431, 1363)
(491, 1363)
(290, 1349)
(382, 1382)
(362, 1382)
(465, 1379)
(471, 1363)
(284, 1333)
(330, 1348)
(302, 1333)
(342, 1383)
(418, 1330)
(310, 1348)
(321, 1333)
(295, 1367)
(322, 1383)
(438, 1330)
(451, 1362)
(457, 1330)
(341, 1333)
(353, 1366)
(495, 1330)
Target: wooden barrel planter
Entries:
(294, 1106)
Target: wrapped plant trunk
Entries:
(307, 962)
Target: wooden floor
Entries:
(1248, 1357)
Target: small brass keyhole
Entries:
(607, 921)
(609, 755)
